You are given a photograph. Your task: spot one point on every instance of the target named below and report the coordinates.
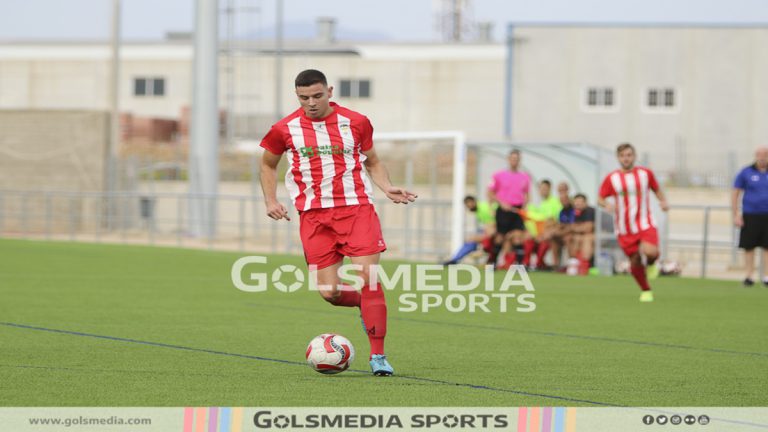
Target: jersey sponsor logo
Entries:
(333, 149)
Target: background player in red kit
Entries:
(633, 222)
(327, 146)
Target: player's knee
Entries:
(365, 274)
(330, 294)
(650, 251)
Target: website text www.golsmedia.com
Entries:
(89, 421)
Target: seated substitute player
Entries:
(327, 146)
(630, 188)
(561, 237)
(540, 224)
(753, 219)
(486, 228)
(582, 244)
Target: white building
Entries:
(691, 98)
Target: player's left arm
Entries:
(654, 185)
(662, 199)
(526, 195)
(380, 177)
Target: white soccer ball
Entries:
(330, 353)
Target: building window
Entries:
(661, 99)
(653, 98)
(600, 99)
(669, 98)
(351, 88)
(148, 86)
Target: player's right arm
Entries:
(738, 187)
(738, 219)
(269, 162)
(492, 198)
(606, 190)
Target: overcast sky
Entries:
(390, 19)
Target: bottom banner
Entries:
(518, 419)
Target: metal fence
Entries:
(413, 232)
(701, 237)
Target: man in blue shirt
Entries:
(753, 219)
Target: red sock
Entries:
(509, 258)
(639, 274)
(540, 253)
(374, 310)
(348, 297)
(528, 247)
(583, 267)
(487, 244)
(583, 264)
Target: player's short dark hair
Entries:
(580, 195)
(514, 152)
(470, 198)
(309, 77)
(546, 182)
(624, 146)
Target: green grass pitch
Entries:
(104, 325)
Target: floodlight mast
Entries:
(110, 154)
(204, 121)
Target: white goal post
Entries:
(458, 192)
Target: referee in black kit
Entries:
(752, 181)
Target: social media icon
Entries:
(648, 419)
(689, 419)
(675, 419)
(662, 419)
(703, 419)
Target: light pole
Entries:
(278, 59)
(204, 128)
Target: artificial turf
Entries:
(111, 325)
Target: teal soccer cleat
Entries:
(380, 366)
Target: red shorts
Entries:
(630, 243)
(330, 234)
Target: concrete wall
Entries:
(720, 75)
(49, 150)
(59, 150)
(414, 87)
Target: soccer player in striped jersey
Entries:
(327, 146)
(630, 188)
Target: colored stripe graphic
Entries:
(237, 419)
(570, 420)
(522, 418)
(533, 426)
(546, 423)
(559, 419)
(189, 414)
(200, 419)
(213, 419)
(224, 420)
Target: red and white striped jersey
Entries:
(325, 157)
(631, 192)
